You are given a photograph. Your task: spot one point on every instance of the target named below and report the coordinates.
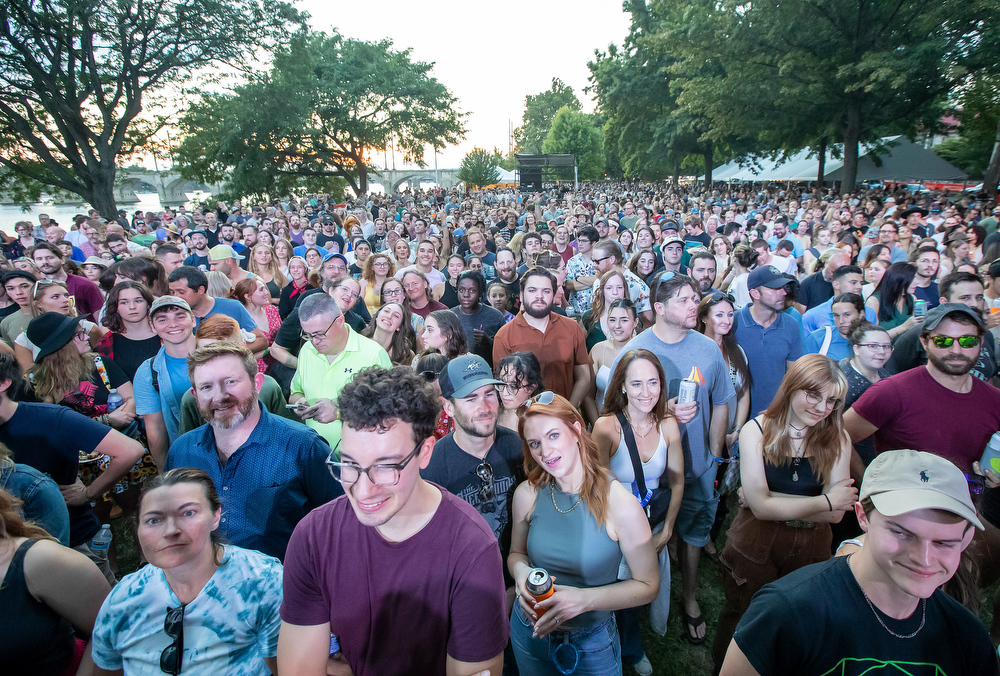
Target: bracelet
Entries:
(828, 501)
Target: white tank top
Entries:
(621, 464)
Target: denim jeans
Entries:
(597, 644)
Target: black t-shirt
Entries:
(814, 290)
(815, 621)
(9, 310)
(49, 437)
(200, 262)
(324, 239)
(128, 355)
(703, 238)
(377, 241)
(454, 469)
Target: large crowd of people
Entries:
(450, 432)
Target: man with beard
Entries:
(270, 472)
(770, 338)
(227, 236)
(49, 260)
(506, 274)
(479, 462)
(702, 266)
(958, 287)
(557, 341)
(680, 348)
(199, 250)
(224, 259)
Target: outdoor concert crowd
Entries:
(466, 432)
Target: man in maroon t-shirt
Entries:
(941, 408)
(405, 575)
(87, 297)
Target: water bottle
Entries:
(102, 540)
(114, 400)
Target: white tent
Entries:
(905, 161)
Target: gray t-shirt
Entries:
(677, 360)
(486, 318)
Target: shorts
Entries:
(697, 513)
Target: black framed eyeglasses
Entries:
(173, 627)
(595, 261)
(947, 341)
(487, 495)
(429, 376)
(319, 335)
(348, 473)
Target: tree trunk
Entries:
(677, 174)
(102, 196)
(992, 175)
(709, 155)
(821, 172)
(851, 136)
(362, 178)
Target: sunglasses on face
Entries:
(947, 341)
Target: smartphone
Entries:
(296, 406)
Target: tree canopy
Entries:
(327, 105)
(574, 133)
(76, 74)
(539, 111)
(479, 168)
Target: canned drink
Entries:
(919, 308)
(539, 585)
(688, 390)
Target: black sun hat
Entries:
(50, 332)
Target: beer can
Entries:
(539, 585)
(919, 308)
(334, 645)
(687, 391)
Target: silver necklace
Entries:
(552, 492)
(923, 617)
(649, 427)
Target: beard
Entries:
(539, 313)
(952, 365)
(476, 427)
(225, 421)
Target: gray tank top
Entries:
(572, 547)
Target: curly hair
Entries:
(368, 272)
(378, 397)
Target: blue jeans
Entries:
(597, 644)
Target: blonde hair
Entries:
(40, 287)
(60, 372)
(273, 266)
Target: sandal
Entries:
(692, 623)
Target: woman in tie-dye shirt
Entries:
(201, 607)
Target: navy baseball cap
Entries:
(766, 275)
(464, 375)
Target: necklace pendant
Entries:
(795, 475)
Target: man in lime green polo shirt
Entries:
(332, 355)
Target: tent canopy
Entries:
(506, 178)
(904, 161)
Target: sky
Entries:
(489, 55)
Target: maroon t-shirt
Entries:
(913, 411)
(399, 607)
(429, 308)
(86, 295)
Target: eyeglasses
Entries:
(486, 493)
(173, 627)
(600, 260)
(509, 388)
(392, 292)
(814, 398)
(963, 341)
(81, 334)
(874, 347)
(429, 376)
(319, 335)
(348, 473)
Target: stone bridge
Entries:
(172, 188)
(391, 179)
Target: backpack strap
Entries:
(825, 347)
(642, 491)
(155, 377)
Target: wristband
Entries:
(828, 501)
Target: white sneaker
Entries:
(643, 667)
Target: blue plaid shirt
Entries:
(273, 480)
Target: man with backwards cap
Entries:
(880, 609)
